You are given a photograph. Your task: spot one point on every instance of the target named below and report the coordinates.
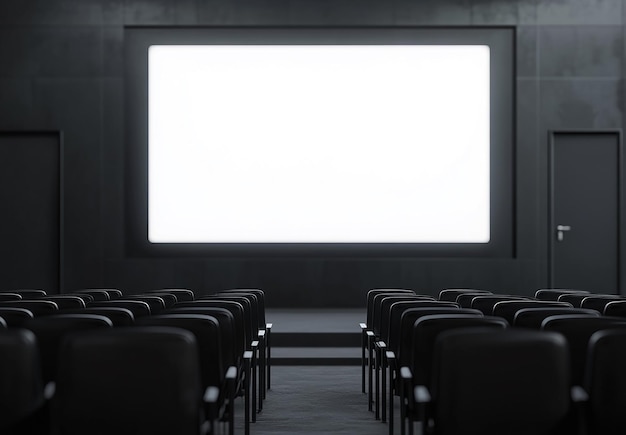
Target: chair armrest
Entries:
(261, 333)
(231, 373)
(247, 355)
(421, 394)
(390, 355)
(381, 344)
(49, 390)
(579, 395)
(211, 395)
(254, 344)
(406, 374)
(363, 326)
(268, 326)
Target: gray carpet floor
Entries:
(315, 400)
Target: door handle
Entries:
(560, 229)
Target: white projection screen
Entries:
(315, 141)
(319, 144)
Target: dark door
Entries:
(30, 216)
(585, 210)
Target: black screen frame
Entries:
(501, 41)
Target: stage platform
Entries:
(323, 336)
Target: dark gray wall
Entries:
(61, 67)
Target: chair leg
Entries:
(363, 340)
(254, 381)
(269, 353)
(377, 384)
(391, 411)
(262, 373)
(383, 389)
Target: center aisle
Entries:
(316, 400)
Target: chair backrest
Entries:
(508, 309)
(113, 293)
(138, 308)
(260, 294)
(84, 296)
(156, 303)
(552, 294)
(182, 294)
(426, 330)
(249, 326)
(255, 308)
(485, 304)
(534, 317)
(395, 317)
(15, 317)
(578, 329)
(30, 293)
(465, 299)
(120, 317)
(21, 386)
(226, 321)
(51, 330)
(407, 321)
(170, 299)
(37, 307)
(206, 329)
(380, 322)
(615, 308)
(10, 297)
(605, 381)
(598, 302)
(98, 295)
(148, 382)
(370, 300)
(573, 298)
(495, 382)
(65, 301)
(235, 308)
(450, 294)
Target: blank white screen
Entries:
(319, 144)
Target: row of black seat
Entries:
(110, 356)
(531, 345)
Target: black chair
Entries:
(534, 317)
(508, 309)
(615, 308)
(394, 360)
(148, 381)
(50, 331)
(212, 358)
(578, 329)
(170, 299)
(98, 295)
(112, 293)
(119, 317)
(156, 303)
(598, 302)
(553, 294)
(84, 296)
(182, 295)
(465, 299)
(485, 304)
(450, 294)
(367, 337)
(605, 382)
(36, 307)
(257, 305)
(574, 298)
(380, 327)
(21, 385)
(10, 297)
(29, 293)
(15, 317)
(426, 329)
(267, 327)
(496, 382)
(243, 347)
(138, 308)
(65, 301)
